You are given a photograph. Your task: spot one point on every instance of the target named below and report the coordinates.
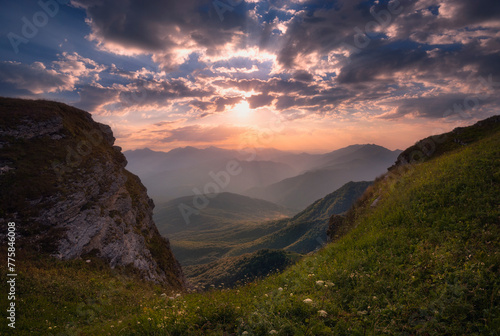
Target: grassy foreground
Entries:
(424, 261)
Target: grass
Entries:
(74, 297)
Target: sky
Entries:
(295, 75)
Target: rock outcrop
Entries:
(66, 187)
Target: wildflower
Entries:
(291, 294)
(311, 275)
(138, 322)
(322, 313)
(273, 332)
(308, 301)
(330, 284)
(177, 295)
(163, 294)
(245, 333)
(280, 289)
(320, 282)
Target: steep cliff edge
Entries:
(64, 185)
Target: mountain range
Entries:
(287, 179)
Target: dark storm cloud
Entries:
(162, 26)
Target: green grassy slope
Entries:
(425, 260)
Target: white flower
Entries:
(273, 332)
(280, 289)
(322, 313)
(329, 283)
(308, 301)
(320, 282)
(245, 333)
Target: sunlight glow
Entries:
(242, 110)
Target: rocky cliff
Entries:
(64, 184)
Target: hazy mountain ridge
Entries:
(332, 170)
(288, 179)
(176, 173)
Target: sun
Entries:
(242, 110)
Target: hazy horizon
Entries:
(319, 152)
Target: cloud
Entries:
(93, 97)
(257, 101)
(170, 30)
(459, 105)
(34, 78)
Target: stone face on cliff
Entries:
(64, 184)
